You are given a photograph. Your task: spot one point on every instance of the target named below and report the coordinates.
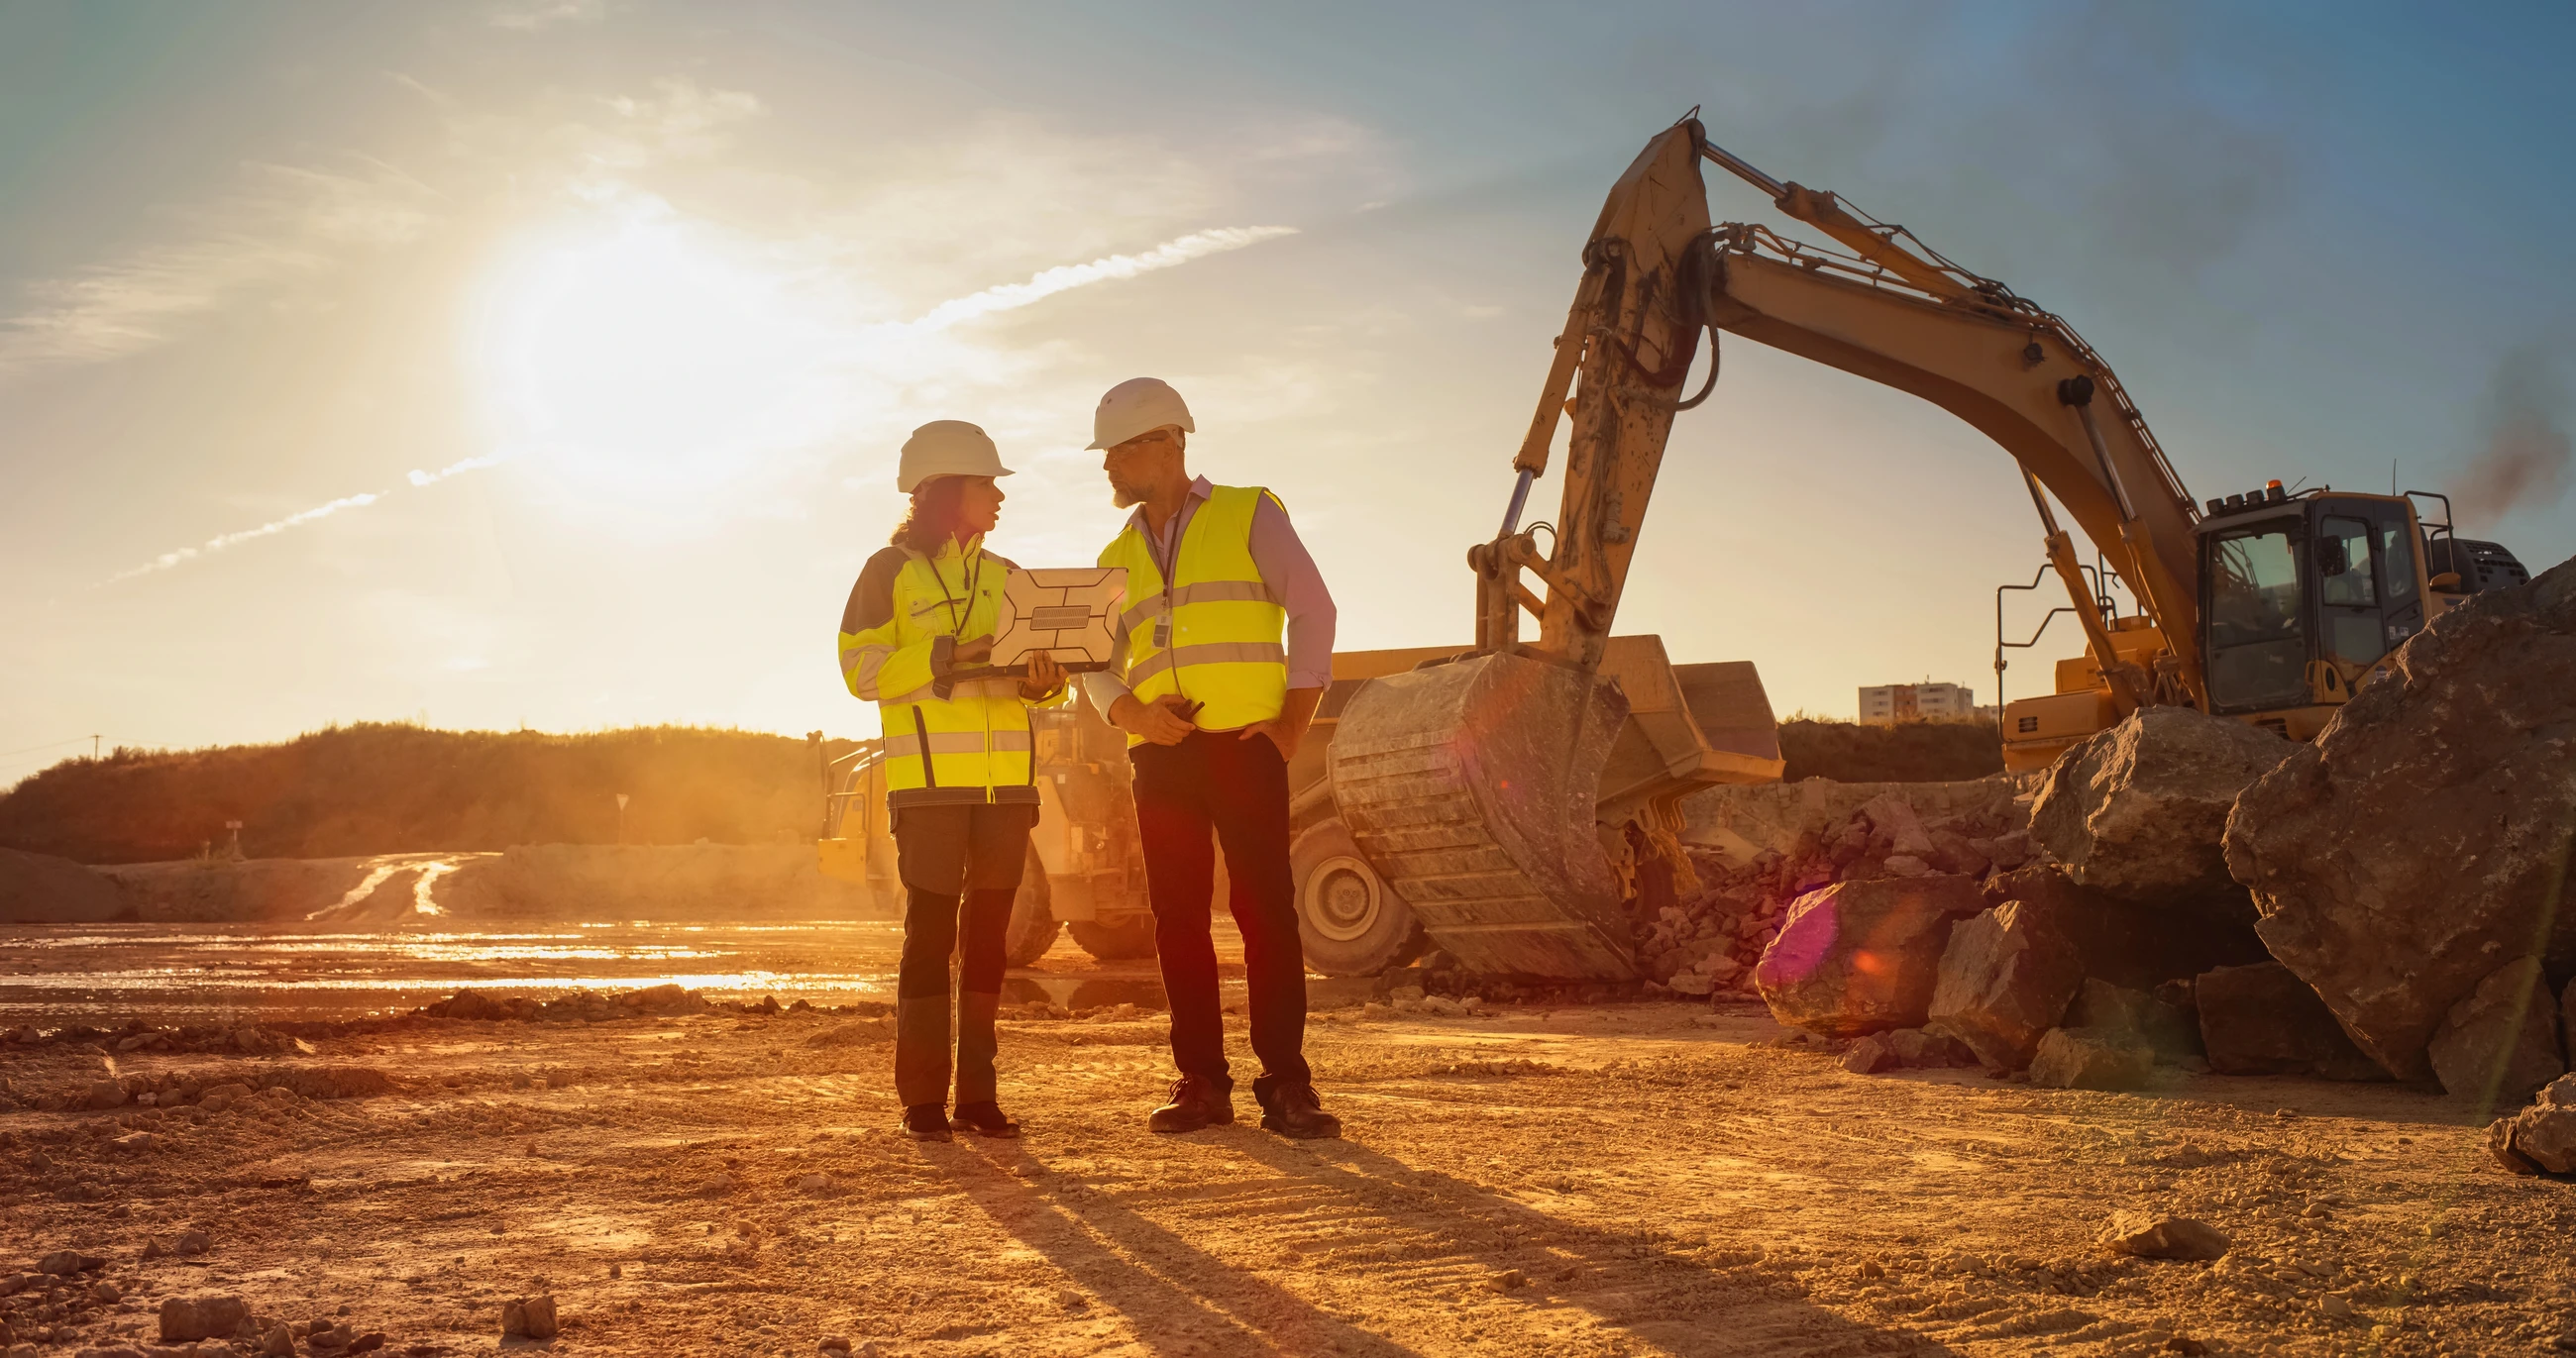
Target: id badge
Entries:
(1163, 632)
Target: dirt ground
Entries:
(1638, 1179)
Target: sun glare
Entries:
(641, 358)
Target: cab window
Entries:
(2397, 561)
(2343, 565)
(2258, 650)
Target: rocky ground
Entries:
(1616, 1179)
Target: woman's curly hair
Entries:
(931, 520)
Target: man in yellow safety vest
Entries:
(1214, 705)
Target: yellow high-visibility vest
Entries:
(944, 743)
(1214, 636)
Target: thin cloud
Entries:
(530, 15)
(1064, 277)
(293, 222)
(184, 555)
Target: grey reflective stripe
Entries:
(923, 694)
(1204, 592)
(1208, 653)
(954, 742)
(860, 664)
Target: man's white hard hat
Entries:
(1139, 405)
(947, 448)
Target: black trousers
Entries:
(1239, 788)
(961, 868)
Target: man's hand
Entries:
(974, 652)
(1045, 678)
(1287, 730)
(1159, 721)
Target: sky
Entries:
(544, 362)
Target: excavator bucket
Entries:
(1470, 786)
(1480, 789)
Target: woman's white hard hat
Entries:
(1139, 405)
(947, 448)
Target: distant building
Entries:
(1889, 704)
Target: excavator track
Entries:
(1471, 787)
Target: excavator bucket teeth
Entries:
(1471, 786)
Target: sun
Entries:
(637, 357)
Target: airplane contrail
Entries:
(1064, 277)
(1004, 297)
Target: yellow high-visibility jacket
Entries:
(945, 742)
(1214, 635)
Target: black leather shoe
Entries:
(1293, 1111)
(927, 1122)
(984, 1119)
(1196, 1102)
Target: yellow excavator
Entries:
(1474, 783)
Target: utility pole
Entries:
(93, 748)
(621, 818)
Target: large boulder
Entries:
(2423, 836)
(39, 888)
(2127, 944)
(2500, 1043)
(1863, 957)
(2005, 980)
(2264, 1020)
(2140, 811)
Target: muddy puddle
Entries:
(195, 973)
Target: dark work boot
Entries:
(1196, 1102)
(984, 1119)
(1293, 1111)
(927, 1122)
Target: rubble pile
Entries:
(145, 1094)
(1710, 937)
(2417, 851)
(2083, 971)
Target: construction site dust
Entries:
(2217, 997)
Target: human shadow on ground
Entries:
(1637, 1286)
(1147, 1272)
(1642, 1283)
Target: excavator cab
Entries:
(2303, 596)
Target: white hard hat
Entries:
(1139, 405)
(947, 448)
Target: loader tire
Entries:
(1033, 926)
(1350, 919)
(1120, 938)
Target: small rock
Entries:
(2186, 1345)
(192, 1243)
(835, 1344)
(105, 1094)
(2165, 1237)
(2336, 1307)
(64, 1263)
(2092, 1058)
(369, 1342)
(717, 1185)
(528, 1318)
(184, 1319)
(617, 1270)
(2315, 1210)
(1510, 1280)
(279, 1344)
(1869, 1056)
(1922, 1049)
(154, 1249)
(105, 1293)
(812, 1183)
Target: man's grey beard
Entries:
(1123, 497)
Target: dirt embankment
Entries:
(1909, 752)
(379, 789)
(1649, 1178)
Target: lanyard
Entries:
(1180, 526)
(957, 618)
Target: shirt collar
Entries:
(1200, 489)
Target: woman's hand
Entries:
(1045, 678)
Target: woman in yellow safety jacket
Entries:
(960, 773)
